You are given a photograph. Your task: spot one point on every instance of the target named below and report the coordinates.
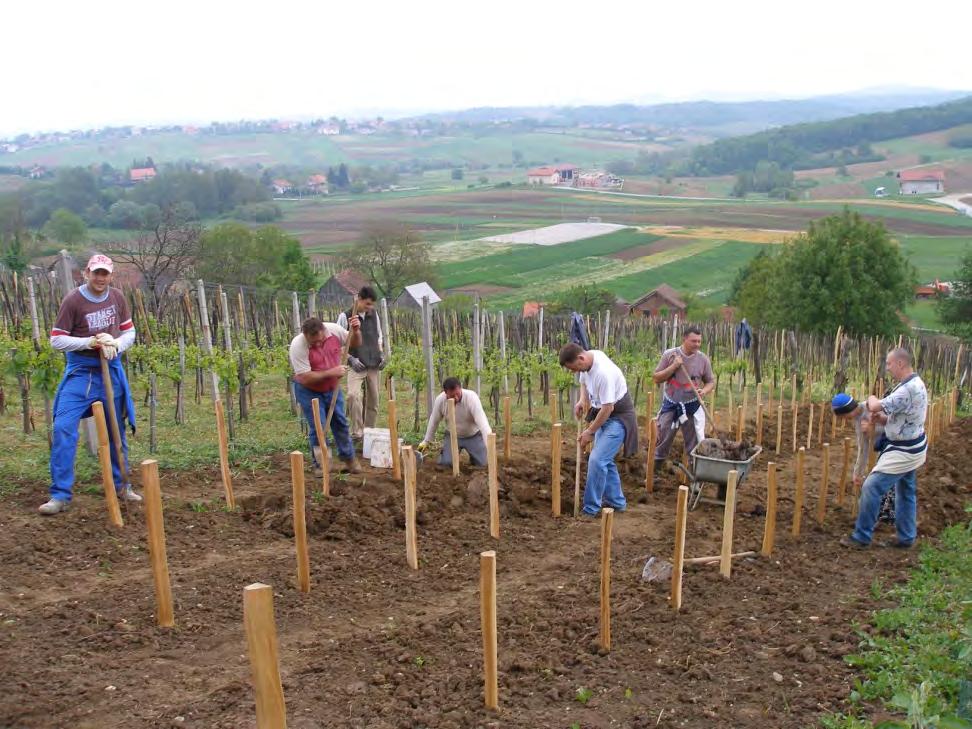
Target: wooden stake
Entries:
(739, 422)
(769, 528)
(104, 459)
(261, 641)
(820, 425)
(224, 468)
(713, 559)
(113, 416)
(650, 466)
(411, 538)
(810, 427)
(507, 429)
(796, 413)
(323, 452)
(779, 428)
(681, 517)
(396, 457)
(871, 453)
(555, 470)
(453, 436)
(487, 603)
(728, 518)
(577, 470)
(759, 424)
(494, 523)
(824, 485)
(156, 544)
(300, 520)
(799, 497)
(607, 522)
(844, 465)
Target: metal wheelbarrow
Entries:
(706, 470)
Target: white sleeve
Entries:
(381, 338)
(126, 340)
(479, 415)
(434, 417)
(342, 320)
(67, 343)
(338, 331)
(299, 356)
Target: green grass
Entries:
(935, 256)
(924, 315)
(937, 150)
(502, 268)
(917, 660)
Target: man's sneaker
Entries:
(350, 465)
(893, 543)
(852, 543)
(54, 506)
(128, 494)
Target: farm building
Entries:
(317, 184)
(598, 180)
(531, 309)
(920, 182)
(280, 186)
(552, 175)
(141, 174)
(340, 287)
(933, 289)
(411, 297)
(664, 299)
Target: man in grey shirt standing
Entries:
(903, 451)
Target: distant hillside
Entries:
(802, 146)
(708, 116)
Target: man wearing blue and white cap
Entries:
(866, 424)
(903, 450)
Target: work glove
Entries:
(423, 447)
(106, 348)
(356, 364)
(382, 363)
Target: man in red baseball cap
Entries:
(94, 322)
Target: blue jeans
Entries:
(603, 484)
(75, 395)
(905, 505)
(339, 421)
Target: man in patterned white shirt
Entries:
(903, 450)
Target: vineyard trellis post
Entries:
(427, 352)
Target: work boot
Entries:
(318, 471)
(893, 543)
(54, 506)
(852, 543)
(128, 494)
(350, 465)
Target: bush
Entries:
(457, 173)
(258, 212)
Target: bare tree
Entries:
(164, 251)
(392, 256)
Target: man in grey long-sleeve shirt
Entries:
(472, 426)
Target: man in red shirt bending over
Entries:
(315, 356)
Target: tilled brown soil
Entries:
(375, 644)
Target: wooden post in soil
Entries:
(577, 469)
(779, 428)
(453, 436)
(411, 539)
(681, 518)
(300, 520)
(799, 496)
(323, 454)
(555, 469)
(728, 519)
(759, 424)
(487, 612)
(844, 465)
(820, 424)
(739, 422)
(607, 523)
(104, 460)
(810, 427)
(824, 485)
(796, 415)
(493, 475)
(156, 544)
(396, 457)
(650, 466)
(261, 641)
(113, 416)
(871, 453)
(507, 429)
(769, 529)
(224, 468)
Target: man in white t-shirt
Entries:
(472, 425)
(612, 424)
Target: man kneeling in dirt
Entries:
(472, 425)
(611, 424)
(684, 370)
(315, 356)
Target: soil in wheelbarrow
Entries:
(725, 449)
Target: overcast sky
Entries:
(67, 64)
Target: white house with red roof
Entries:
(552, 175)
(141, 174)
(921, 182)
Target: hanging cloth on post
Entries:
(578, 332)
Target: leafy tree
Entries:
(16, 251)
(844, 271)
(583, 299)
(955, 311)
(752, 291)
(124, 214)
(393, 256)
(267, 257)
(66, 227)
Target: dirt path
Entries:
(377, 645)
